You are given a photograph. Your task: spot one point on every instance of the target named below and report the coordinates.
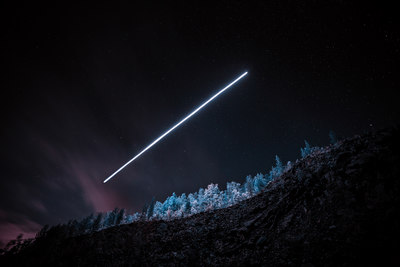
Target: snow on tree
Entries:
(111, 218)
(212, 197)
(249, 186)
(259, 183)
(276, 170)
(150, 210)
(306, 150)
(188, 207)
(232, 192)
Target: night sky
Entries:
(85, 88)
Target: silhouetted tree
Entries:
(42, 232)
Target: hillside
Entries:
(338, 206)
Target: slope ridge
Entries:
(336, 207)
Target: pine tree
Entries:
(259, 182)
(276, 170)
(85, 224)
(248, 185)
(43, 231)
(188, 207)
(305, 151)
(119, 217)
(173, 205)
(97, 222)
(111, 218)
(150, 210)
(144, 212)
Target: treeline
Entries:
(173, 207)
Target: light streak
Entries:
(175, 126)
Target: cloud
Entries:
(9, 231)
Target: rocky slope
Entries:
(337, 207)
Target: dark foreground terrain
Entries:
(337, 207)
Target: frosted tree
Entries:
(201, 201)
(173, 202)
(306, 150)
(119, 217)
(136, 217)
(259, 183)
(150, 209)
(211, 197)
(234, 194)
(158, 210)
(224, 199)
(188, 207)
(276, 170)
(194, 203)
(181, 203)
(249, 186)
(288, 166)
(111, 218)
(127, 218)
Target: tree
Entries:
(158, 210)
(85, 224)
(248, 185)
(212, 197)
(276, 170)
(119, 217)
(332, 137)
(201, 201)
(150, 210)
(111, 218)
(259, 182)
(192, 199)
(305, 151)
(42, 232)
(233, 192)
(278, 163)
(173, 203)
(188, 207)
(97, 222)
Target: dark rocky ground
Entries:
(336, 207)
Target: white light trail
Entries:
(176, 125)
